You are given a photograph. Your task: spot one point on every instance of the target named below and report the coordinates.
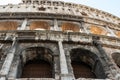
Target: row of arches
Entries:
(38, 62)
(65, 26)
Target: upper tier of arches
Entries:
(59, 25)
(51, 6)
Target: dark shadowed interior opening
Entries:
(36, 62)
(81, 69)
(37, 69)
(116, 58)
(86, 64)
(118, 66)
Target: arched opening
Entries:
(86, 64)
(8, 25)
(98, 30)
(36, 62)
(116, 58)
(39, 25)
(67, 26)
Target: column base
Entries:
(67, 77)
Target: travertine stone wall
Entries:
(63, 32)
(105, 60)
(61, 8)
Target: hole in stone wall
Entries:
(84, 14)
(33, 6)
(41, 9)
(4, 7)
(36, 2)
(11, 7)
(69, 9)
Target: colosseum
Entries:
(57, 40)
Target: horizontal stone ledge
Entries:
(48, 32)
(46, 15)
(57, 35)
(31, 79)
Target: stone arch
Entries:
(68, 26)
(83, 60)
(39, 25)
(26, 54)
(53, 48)
(98, 30)
(8, 25)
(36, 62)
(116, 58)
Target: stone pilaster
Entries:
(7, 36)
(106, 61)
(14, 70)
(56, 28)
(84, 28)
(23, 26)
(110, 31)
(63, 64)
(8, 61)
(56, 67)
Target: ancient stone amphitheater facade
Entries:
(56, 40)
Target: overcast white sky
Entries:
(111, 6)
